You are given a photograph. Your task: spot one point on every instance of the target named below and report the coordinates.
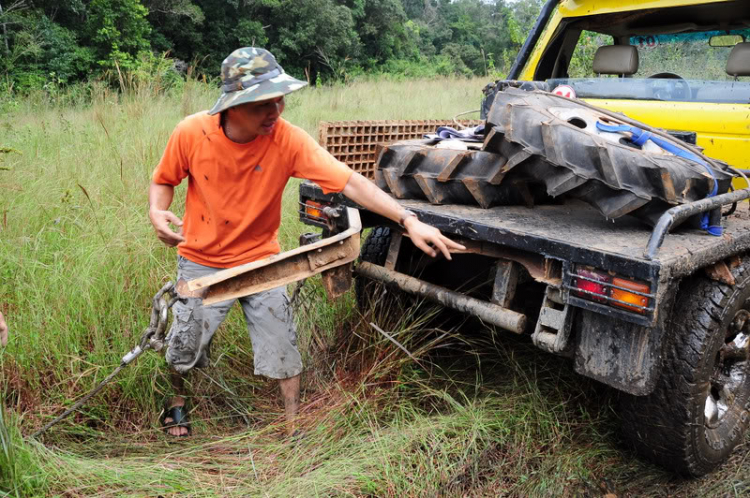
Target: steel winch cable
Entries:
(152, 338)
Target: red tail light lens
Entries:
(588, 283)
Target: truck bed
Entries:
(578, 233)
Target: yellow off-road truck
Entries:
(607, 251)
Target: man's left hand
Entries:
(429, 239)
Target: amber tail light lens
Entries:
(624, 298)
(314, 209)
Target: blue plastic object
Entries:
(640, 137)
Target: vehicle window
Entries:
(689, 55)
(582, 62)
(688, 67)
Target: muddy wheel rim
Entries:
(730, 371)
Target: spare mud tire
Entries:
(540, 146)
(413, 169)
(609, 170)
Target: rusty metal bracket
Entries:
(719, 272)
(553, 328)
(285, 268)
(505, 282)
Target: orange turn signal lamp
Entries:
(595, 285)
(313, 209)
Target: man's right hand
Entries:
(161, 220)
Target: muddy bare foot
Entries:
(176, 417)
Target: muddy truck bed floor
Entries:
(577, 233)
(564, 230)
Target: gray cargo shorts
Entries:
(269, 321)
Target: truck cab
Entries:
(681, 65)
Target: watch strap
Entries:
(406, 214)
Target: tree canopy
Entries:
(64, 41)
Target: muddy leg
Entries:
(290, 394)
(178, 387)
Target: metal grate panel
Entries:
(354, 142)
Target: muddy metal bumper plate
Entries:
(280, 269)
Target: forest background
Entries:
(51, 43)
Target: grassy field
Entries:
(479, 414)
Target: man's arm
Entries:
(159, 199)
(369, 196)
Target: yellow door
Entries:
(723, 130)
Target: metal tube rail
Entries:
(680, 213)
(486, 311)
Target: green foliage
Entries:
(180, 9)
(18, 468)
(382, 31)
(43, 53)
(58, 43)
(118, 31)
(313, 36)
(462, 57)
(249, 33)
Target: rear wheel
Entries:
(375, 251)
(700, 409)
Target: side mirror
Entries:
(725, 40)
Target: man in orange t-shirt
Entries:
(237, 158)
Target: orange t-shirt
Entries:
(233, 204)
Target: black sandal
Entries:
(179, 416)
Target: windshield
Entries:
(689, 55)
(671, 67)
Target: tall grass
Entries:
(78, 258)
(465, 414)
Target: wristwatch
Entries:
(405, 214)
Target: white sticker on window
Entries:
(647, 41)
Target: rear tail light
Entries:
(590, 285)
(598, 286)
(634, 295)
(313, 209)
(314, 213)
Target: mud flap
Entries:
(622, 355)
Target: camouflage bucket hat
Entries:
(251, 74)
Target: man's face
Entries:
(258, 118)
